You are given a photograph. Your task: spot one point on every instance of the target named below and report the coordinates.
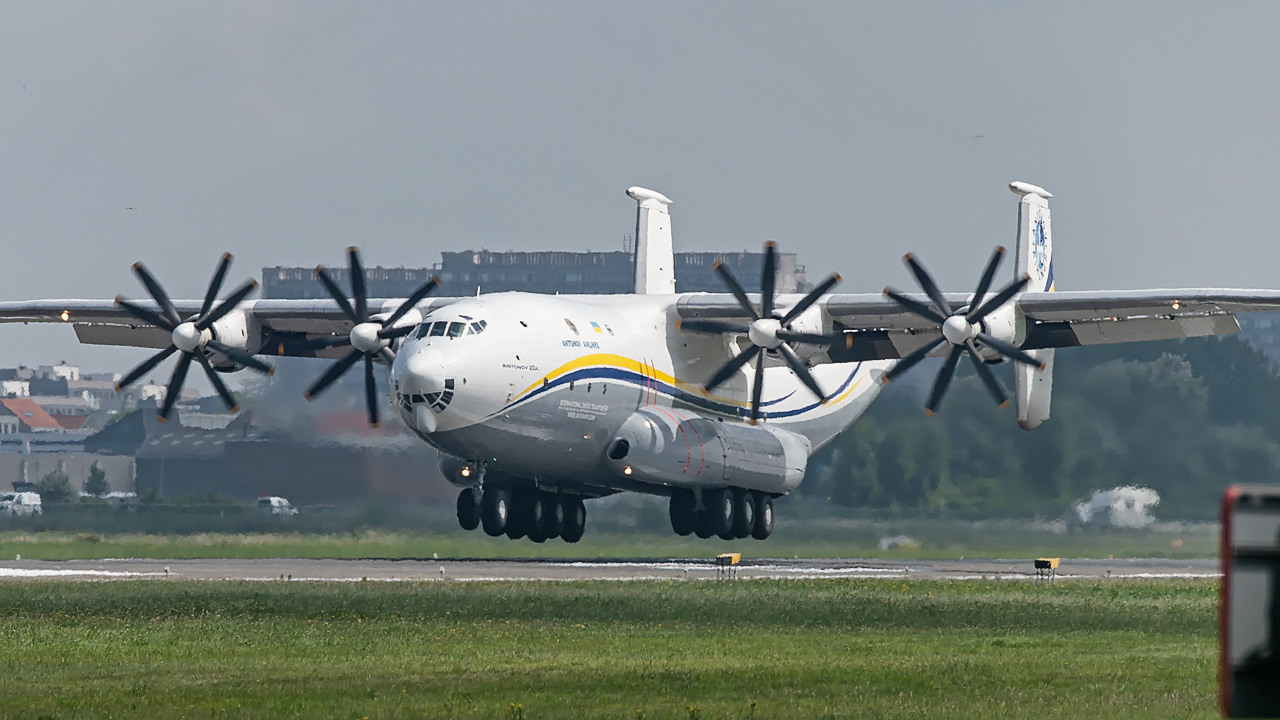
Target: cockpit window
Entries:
(438, 328)
(453, 329)
(456, 328)
(478, 327)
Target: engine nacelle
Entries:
(239, 329)
(809, 321)
(667, 448)
(1005, 323)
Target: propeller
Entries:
(191, 338)
(767, 331)
(369, 337)
(960, 330)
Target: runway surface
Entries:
(560, 570)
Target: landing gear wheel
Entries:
(720, 511)
(702, 525)
(468, 510)
(575, 519)
(684, 512)
(764, 517)
(744, 513)
(495, 510)
(552, 515)
(528, 516)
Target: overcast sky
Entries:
(850, 133)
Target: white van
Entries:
(20, 504)
(276, 506)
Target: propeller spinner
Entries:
(960, 330)
(767, 331)
(190, 337)
(369, 337)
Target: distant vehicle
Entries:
(276, 506)
(20, 504)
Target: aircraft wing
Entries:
(284, 322)
(877, 328)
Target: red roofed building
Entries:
(30, 416)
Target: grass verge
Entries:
(760, 649)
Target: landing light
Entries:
(65, 316)
(626, 470)
(1176, 305)
(466, 472)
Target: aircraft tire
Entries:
(552, 515)
(495, 510)
(763, 525)
(744, 513)
(575, 519)
(720, 511)
(684, 512)
(702, 525)
(468, 510)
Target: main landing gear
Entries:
(519, 513)
(729, 513)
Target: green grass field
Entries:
(681, 649)
(937, 540)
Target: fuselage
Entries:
(537, 387)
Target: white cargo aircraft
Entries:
(717, 401)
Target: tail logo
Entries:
(1040, 246)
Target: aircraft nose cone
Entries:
(420, 372)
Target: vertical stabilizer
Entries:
(655, 257)
(1034, 389)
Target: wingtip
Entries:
(228, 256)
(118, 388)
(271, 369)
(771, 244)
(136, 265)
(885, 292)
(908, 257)
(836, 277)
(317, 270)
(929, 412)
(234, 409)
(1000, 250)
(885, 379)
(253, 283)
(753, 422)
(1043, 367)
(1004, 404)
(435, 279)
(717, 263)
(162, 419)
(352, 249)
(848, 341)
(308, 396)
(119, 299)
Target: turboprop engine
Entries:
(666, 447)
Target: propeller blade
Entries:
(395, 332)
(1013, 352)
(335, 292)
(387, 356)
(145, 367)
(735, 288)
(711, 327)
(807, 338)
(370, 391)
(927, 284)
(768, 278)
(157, 293)
(174, 389)
(731, 368)
(910, 361)
(358, 290)
(985, 283)
(757, 389)
(215, 284)
(144, 314)
(218, 386)
(244, 358)
(334, 372)
(914, 306)
(984, 372)
(234, 299)
(810, 299)
(1001, 298)
(798, 367)
(943, 380)
(412, 300)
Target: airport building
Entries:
(470, 272)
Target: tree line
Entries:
(1185, 418)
